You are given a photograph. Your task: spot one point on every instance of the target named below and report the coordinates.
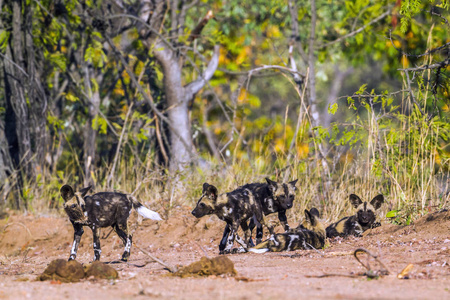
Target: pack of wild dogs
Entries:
(244, 207)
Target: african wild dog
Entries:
(102, 210)
(357, 224)
(273, 197)
(308, 235)
(235, 208)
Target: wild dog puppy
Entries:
(273, 197)
(235, 208)
(308, 235)
(102, 210)
(357, 224)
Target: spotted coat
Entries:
(308, 235)
(102, 210)
(363, 220)
(235, 208)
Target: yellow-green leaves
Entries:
(100, 124)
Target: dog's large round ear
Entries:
(205, 187)
(377, 201)
(355, 200)
(85, 190)
(310, 218)
(270, 182)
(315, 212)
(66, 192)
(211, 191)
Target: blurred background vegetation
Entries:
(157, 97)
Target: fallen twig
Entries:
(168, 267)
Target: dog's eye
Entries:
(202, 204)
(73, 206)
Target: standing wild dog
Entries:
(273, 197)
(235, 208)
(357, 224)
(102, 210)
(308, 235)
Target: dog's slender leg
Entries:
(122, 232)
(97, 248)
(78, 232)
(223, 242)
(244, 242)
(259, 232)
(283, 220)
(232, 236)
(251, 226)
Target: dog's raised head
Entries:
(74, 202)
(206, 205)
(283, 193)
(365, 211)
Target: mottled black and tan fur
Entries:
(235, 208)
(102, 210)
(364, 218)
(308, 235)
(274, 197)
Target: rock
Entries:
(205, 267)
(101, 271)
(64, 271)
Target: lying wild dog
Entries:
(273, 197)
(308, 235)
(235, 208)
(357, 224)
(102, 210)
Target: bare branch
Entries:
(382, 16)
(198, 29)
(194, 87)
(441, 64)
(408, 81)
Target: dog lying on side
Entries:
(273, 197)
(364, 219)
(235, 208)
(308, 235)
(102, 210)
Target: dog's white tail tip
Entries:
(264, 250)
(149, 214)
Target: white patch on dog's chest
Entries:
(269, 203)
(227, 211)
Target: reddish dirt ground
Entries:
(29, 243)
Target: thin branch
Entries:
(382, 16)
(408, 81)
(441, 64)
(16, 65)
(167, 266)
(417, 55)
(195, 86)
(198, 29)
(116, 156)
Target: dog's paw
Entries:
(238, 250)
(376, 224)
